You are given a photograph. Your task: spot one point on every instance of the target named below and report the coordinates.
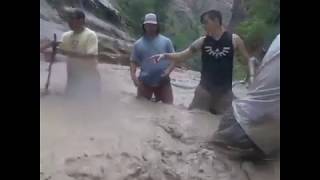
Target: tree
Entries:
(258, 28)
(239, 14)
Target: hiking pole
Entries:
(54, 49)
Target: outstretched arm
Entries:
(170, 68)
(183, 55)
(179, 56)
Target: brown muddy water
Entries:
(123, 138)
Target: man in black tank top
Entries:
(217, 48)
(217, 62)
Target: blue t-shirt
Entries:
(143, 49)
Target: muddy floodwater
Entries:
(123, 138)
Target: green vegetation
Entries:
(260, 28)
(263, 23)
(180, 29)
(133, 12)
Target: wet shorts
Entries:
(215, 101)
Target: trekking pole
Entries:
(54, 49)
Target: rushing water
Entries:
(121, 137)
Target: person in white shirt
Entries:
(80, 46)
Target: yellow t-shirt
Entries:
(84, 42)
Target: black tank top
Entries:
(217, 62)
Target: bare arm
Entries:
(44, 46)
(45, 50)
(133, 70)
(47, 44)
(134, 59)
(170, 68)
(179, 56)
(76, 54)
(240, 46)
(185, 54)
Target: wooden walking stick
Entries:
(54, 50)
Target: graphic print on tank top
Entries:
(217, 52)
(217, 62)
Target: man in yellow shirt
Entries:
(80, 46)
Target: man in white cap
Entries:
(154, 78)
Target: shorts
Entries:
(214, 101)
(163, 92)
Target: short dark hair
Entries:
(78, 14)
(212, 14)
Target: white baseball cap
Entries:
(150, 18)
